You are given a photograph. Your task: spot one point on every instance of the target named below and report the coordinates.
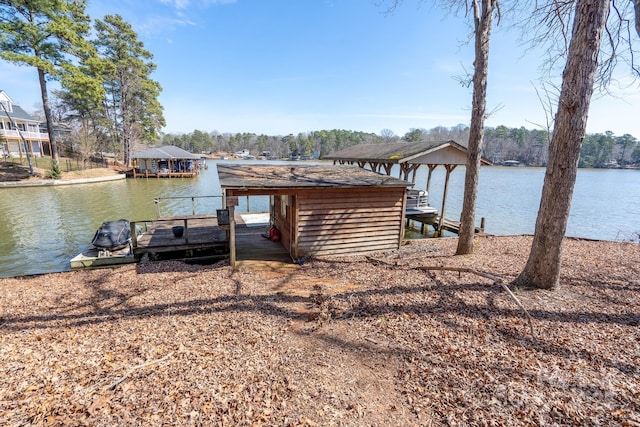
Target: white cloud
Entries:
(162, 25)
(178, 4)
(207, 2)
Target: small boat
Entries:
(418, 206)
(511, 163)
(111, 245)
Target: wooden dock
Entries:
(440, 225)
(200, 238)
(168, 174)
(204, 238)
(198, 232)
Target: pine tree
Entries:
(47, 35)
(132, 96)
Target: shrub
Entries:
(54, 173)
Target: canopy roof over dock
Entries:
(399, 152)
(409, 156)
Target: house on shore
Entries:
(322, 209)
(20, 134)
(168, 161)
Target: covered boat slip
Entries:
(409, 156)
(165, 162)
(321, 210)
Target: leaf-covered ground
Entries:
(351, 341)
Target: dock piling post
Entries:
(134, 235)
(186, 232)
(232, 237)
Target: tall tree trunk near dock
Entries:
(543, 266)
(47, 114)
(483, 20)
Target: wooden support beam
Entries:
(431, 169)
(449, 169)
(232, 236)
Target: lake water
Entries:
(42, 228)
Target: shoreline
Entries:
(56, 182)
(407, 242)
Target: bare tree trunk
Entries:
(126, 130)
(637, 9)
(543, 266)
(483, 21)
(47, 114)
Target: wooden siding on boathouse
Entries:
(337, 221)
(327, 209)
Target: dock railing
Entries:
(205, 207)
(181, 212)
(140, 227)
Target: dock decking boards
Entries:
(202, 233)
(199, 232)
(252, 246)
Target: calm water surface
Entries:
(42, 228)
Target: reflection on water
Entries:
(43, 227)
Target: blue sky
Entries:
(290, 66)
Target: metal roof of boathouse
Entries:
(164, 152)
(300, 176)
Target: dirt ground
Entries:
(349, 341)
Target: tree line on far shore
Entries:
(112, 101)
(525, 146)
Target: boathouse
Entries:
(321, 209)
(168, 161)
(409, 156)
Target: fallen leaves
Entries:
(381, 340)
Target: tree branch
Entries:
(117, 382)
